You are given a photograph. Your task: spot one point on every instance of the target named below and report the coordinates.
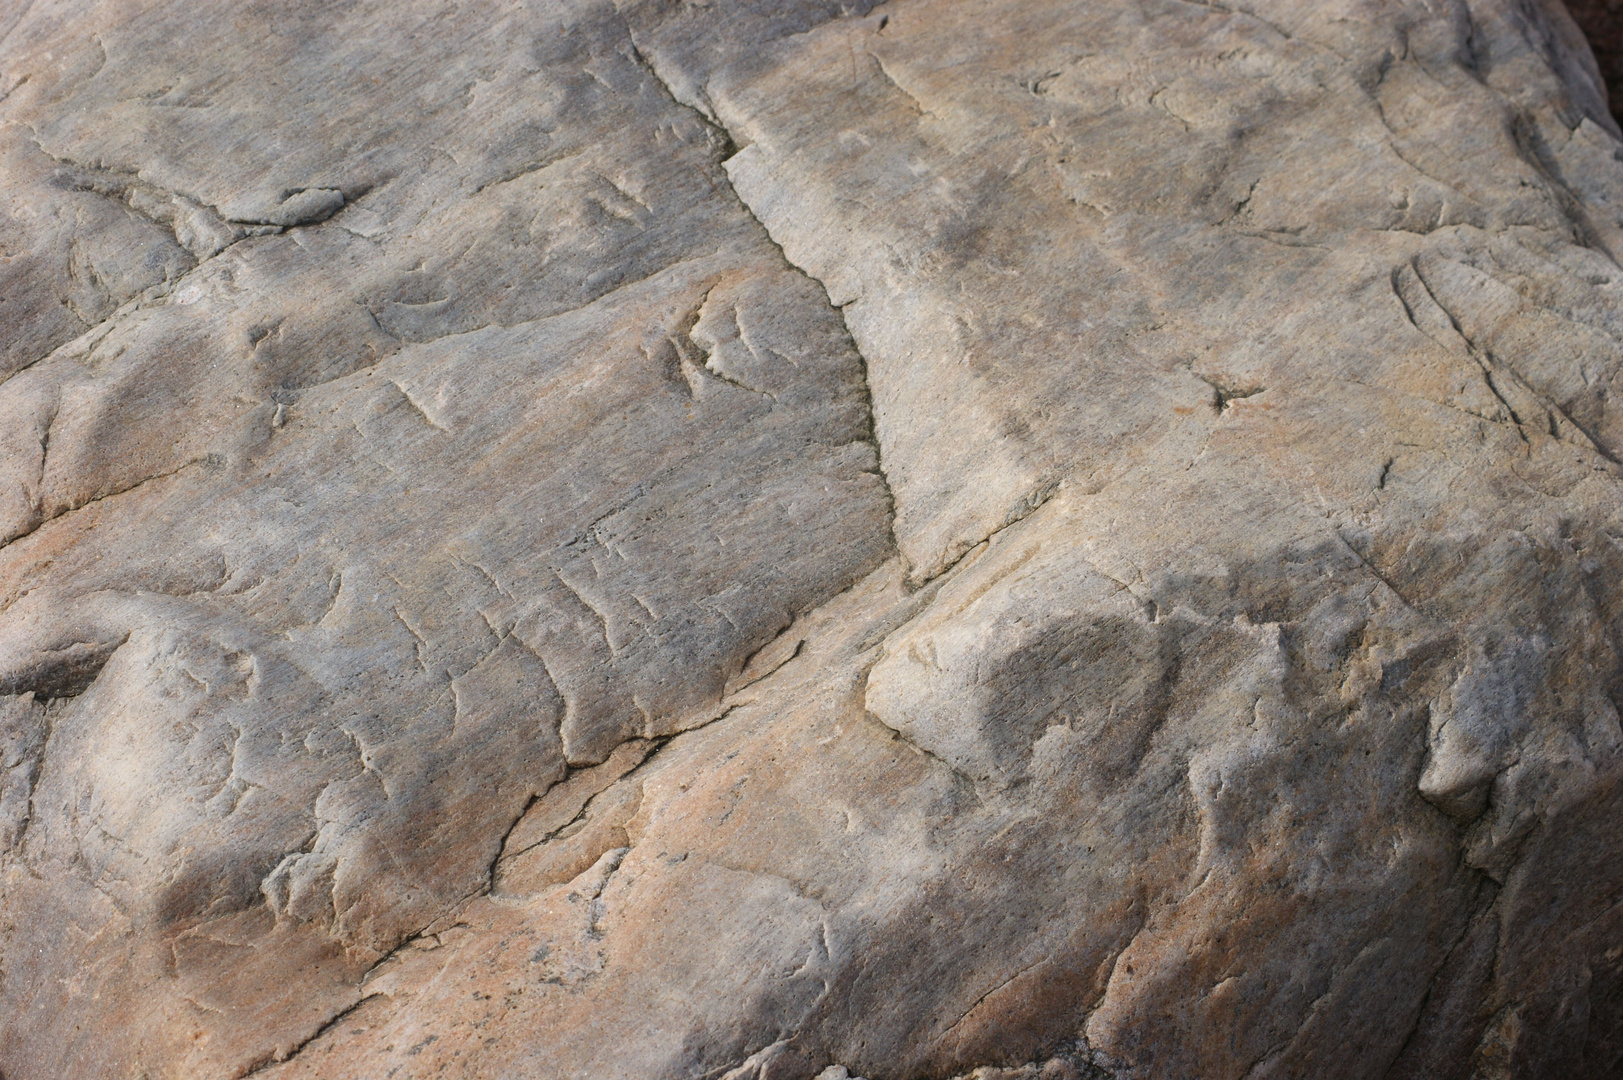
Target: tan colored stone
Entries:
(1012, 539)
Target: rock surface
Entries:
(1602, 24)
(1013, 538)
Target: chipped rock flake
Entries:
(1000, 539)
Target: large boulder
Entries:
(759, 540)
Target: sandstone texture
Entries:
(676, 539)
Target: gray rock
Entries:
(1030, 540)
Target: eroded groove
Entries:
(63, 672)
(44, 521)
(271, 1059)
(901, 736)
(725, 138)
(1033, 501)
(1481, 905)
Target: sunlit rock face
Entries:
(1041, 539)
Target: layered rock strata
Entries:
(777, 539)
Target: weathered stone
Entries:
(1017, 539)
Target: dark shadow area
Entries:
(1602, 23)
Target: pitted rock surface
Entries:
(1024, 539)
